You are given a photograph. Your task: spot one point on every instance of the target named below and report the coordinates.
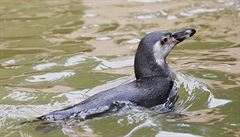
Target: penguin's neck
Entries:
(148, 66)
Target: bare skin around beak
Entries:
(183, 34)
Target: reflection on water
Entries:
(113, 64)
(146, 1)
(103, 38)
(75, 60)
(133, 41)
(147, 16)
(174, 134)
(198, 11)
(54, 54)
(49, 76)
(44, 66)
(19, 96)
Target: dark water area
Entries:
(54, 54)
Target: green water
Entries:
(56, 53)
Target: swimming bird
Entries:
(153, 85)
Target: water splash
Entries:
(195, 89)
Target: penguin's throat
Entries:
(160, 55)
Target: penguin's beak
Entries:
(183, 34)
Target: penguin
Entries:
(154, 84)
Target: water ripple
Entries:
(75, 60)
(50, 76)
(44, 66)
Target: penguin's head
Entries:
(150, 59)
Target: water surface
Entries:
(57, 53)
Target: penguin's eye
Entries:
(165, 39)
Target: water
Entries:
(54, 54)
